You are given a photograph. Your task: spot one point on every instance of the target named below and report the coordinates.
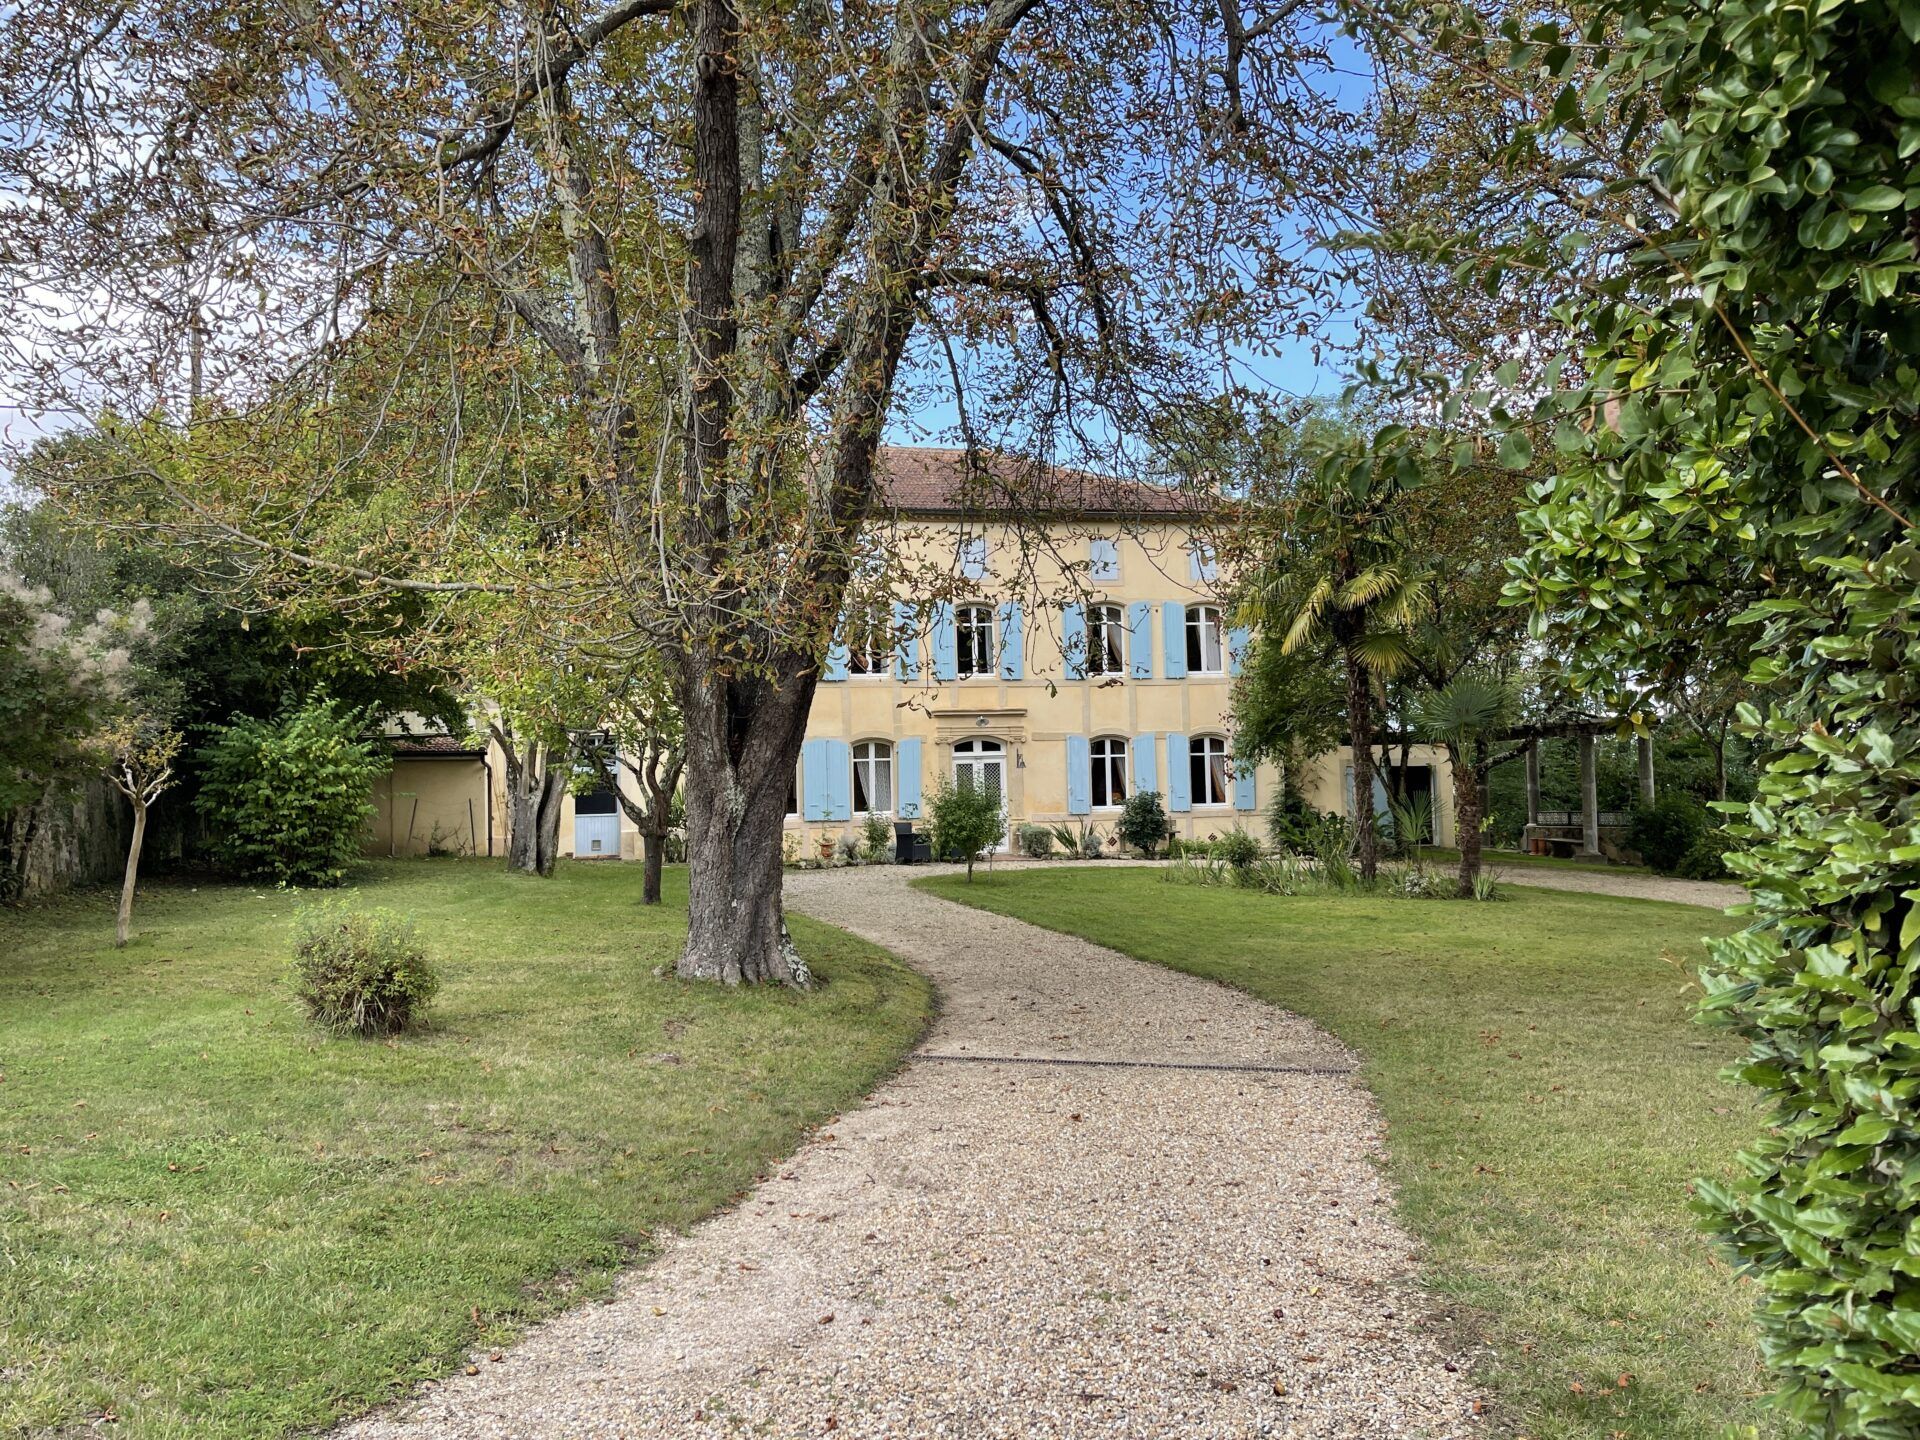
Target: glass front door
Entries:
(982, 765)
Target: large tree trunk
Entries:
(743, 739)
(123, 925)
(536, 786)
(1366, 834)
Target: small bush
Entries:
(288, 799)
(361, 971)
(962, 821)
(876, 836)
(1036, 842)
(1706, 858)
(1143, 822)
(1666, 830)
(1237, 848)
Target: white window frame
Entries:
(1106, 639)
(1110, 757)
(1203, 631)
(976, 641)
(870, 757)
(870, 653)
(1201, 752)
(1203, 565)
(970, 556)
(1103, 559)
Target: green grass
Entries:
(215, 1221)
(1547, 1099)
(1521, 860)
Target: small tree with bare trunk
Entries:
(139, 756)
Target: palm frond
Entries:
(1469, 708)
(1384, 653)
(1369, 586)
(1306, 619)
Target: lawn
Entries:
(1547, 1100)
(215, 1221)
(1504, 860)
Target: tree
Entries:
(1467, 716)
(139, 758)
(963, 820)
(632, 290)
(643, 731)
(1143, 822)
(1343, 580)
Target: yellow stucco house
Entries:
(1069, 671)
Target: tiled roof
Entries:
(429, 745)
(916, 481)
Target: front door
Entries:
(982, 765)
(596, 825)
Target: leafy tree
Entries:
(288, 799)
(1143, 821)
(602, 310)
(964, 820)
(643, 730)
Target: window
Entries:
(1204, 651)
(1106, 640)
(793, 792)
(869, 651)
(1201, 565)
(1207, 770)
(873, 778)
(972, 556)
(1103, 559)
(1109, 773)
(973, 639)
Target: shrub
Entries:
(288, 799)
(1036, 841)
(962, 821)
(1143, 822)
(876, 836)
(1706, 858)
(1666, 830)
(1238, 849)
(360, 971)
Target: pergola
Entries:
(1584, 728)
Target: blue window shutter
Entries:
(946, 654)
(839, 779)
(1245, 791)
(1073, 640)
(1173, 617)
(1238, 638)
(1144, 769)
(1179, 782)
(1013, 641)
(1079, 775)
(1140, 640)
(906, 642)
(906, 777)
(836, 662)
(1380, 806)
(813, 780)
(1193, 563)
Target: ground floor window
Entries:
(1207, 770)
(872, 778)
(1109, 773)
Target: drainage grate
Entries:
(1140, 1064)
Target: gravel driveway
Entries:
(1015, 1249)
(1628, 885)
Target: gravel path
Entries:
(1021, 1250)
(1713, 894)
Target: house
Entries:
(1079, 660)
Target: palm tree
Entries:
(1342, 578)
(1465, 715)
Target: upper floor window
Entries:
(973, 639)
(1205, 654)
(973, 557)
(1201, 565)
(869, 650)
(1207, 770)
(1109, 772)
(1106, 640)
(1103, 559)
(872, 778)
